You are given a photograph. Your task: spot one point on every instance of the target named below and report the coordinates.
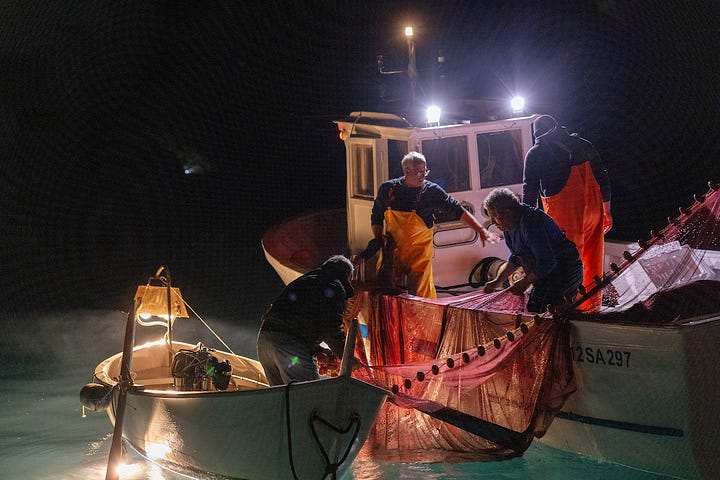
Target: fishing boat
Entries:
(641, 391)
(197, 410)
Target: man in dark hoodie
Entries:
(308, 312)
(565, 173)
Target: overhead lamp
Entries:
(433, 114)
(517, 104)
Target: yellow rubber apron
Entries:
(414, 250)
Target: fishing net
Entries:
(476, 377)
(672, 277)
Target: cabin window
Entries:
(500, 157)
(447, 159)
(362, 183)
(397, 149)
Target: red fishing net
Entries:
(475, 376)
(673, 276)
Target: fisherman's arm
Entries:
(455, 208)
(377, 216)
(603, 180)
(531, 179)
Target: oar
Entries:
(124, 382)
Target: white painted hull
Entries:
(244, 432)
(646, 397)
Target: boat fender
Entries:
(95, 397)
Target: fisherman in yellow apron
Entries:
(566, 174)
(406, 208)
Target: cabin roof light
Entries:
(433, 114)
(517, 104)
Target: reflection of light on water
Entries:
(156, 473)
(157, 451)
(127, 469)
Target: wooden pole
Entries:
(124, 383)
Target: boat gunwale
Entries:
(690, 322)
(142, 391)
(102, 376)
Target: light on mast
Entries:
(517, 104)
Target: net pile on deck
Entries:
(474, 375)
(672, 277)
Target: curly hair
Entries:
(501, 199)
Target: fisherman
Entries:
(550, 260)
(308, 312)
(567, 175)
(406, 207)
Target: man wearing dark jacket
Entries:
(307, 312)
(567, 175)
(550, 261)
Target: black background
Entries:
(103, 104)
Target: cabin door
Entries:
(366, 168)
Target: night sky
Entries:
(104, 104)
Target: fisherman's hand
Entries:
(372, 248)
(328, 364)
(607, 217)
(487, 236)
(607, 221)
(518, 288)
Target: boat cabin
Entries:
(468, 159)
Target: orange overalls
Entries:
(414, 251)
(578, 210)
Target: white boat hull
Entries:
(253, 432)
(645, 397)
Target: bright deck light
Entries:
(517, 104)
(433, 114)
(408, 31)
